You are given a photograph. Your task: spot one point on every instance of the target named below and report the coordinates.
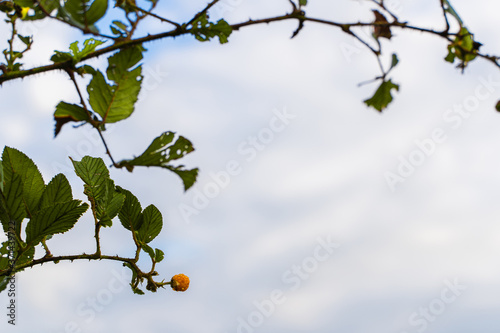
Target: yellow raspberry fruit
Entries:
(179, 282)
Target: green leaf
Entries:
(69, 112)
(382, 96)
(83, 13)
(27, 40)
(54, 219)
(395, 60)
(151, 225)
(58, 190)
(48, 7)
(15, 161)
(130, 214)
(149, 250)
(108, 207)
(451, 54)
(116, 102)
(463, 47)
(302, 2)
(75, 53)
(4, 255)
(6, 6)
(203, 30)
(121, 62)
(160, 152)
(1, 176)
(159, 255)
(4, 282)
(136, 290)
(11, 204)
(94, 174)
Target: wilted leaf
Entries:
(382, 96)
(66, 112)
(160, 152)
(381, 30)
(203, 30)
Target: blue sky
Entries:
(305, 234)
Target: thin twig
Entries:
(108, 152)
(149, 13)
(445, 17)
(199, 14)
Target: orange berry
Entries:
(179, 282)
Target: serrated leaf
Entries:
(54, 219)
(161, 151)
(159, 255)
(151, 225)
(116, 102)
(121, 62)
(382, 96)
(75, 53)
(17, 162)
(11, 203)
(203, 30)
(1, 176)
(66, 112)
(94, 174)
(83, 13)
(188, 176)
(58, 190)
(108, 207)
(4, 255)
(130, 214)
(27, 255)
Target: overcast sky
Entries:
(312, 212)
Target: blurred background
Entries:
(312, 212)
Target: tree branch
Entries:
(345, 27)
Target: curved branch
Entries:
(345, 27)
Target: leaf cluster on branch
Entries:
(112, 94)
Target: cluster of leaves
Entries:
(463, 48)
(112, 94)
(113, 102)
(204, 30)
(50, 209)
